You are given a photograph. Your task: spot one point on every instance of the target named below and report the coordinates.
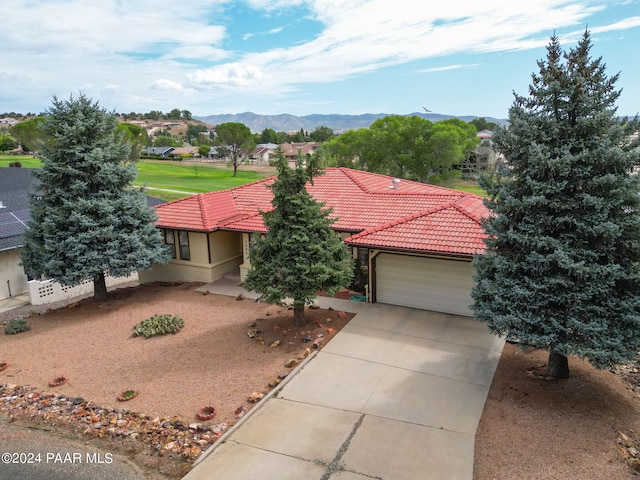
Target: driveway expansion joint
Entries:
(334, 466)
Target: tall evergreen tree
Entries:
(301, 254)
(561, 270)
(88, 220)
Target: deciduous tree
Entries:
(236, 141)
(561, 270)
(88, 220)
(137, 138)
(29, 135)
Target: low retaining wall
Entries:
(49, 291)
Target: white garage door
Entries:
(426, 283)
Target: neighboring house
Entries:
(185, 151)
(416, 240)
(8, 121)
(162, 151)
(483, 158)
(263, 152)
(213, 153)
(293, 150)
(16, 187)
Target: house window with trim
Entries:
(170, 239)
(184, 245)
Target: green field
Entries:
(189, 178)
(26, 161)
(468, 186)
(159, 176)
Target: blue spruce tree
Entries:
(561, 270)
(87, 220)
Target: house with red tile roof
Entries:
(415, 240)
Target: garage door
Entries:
(427, 283)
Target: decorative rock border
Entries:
(155, 437)
(127, 395)
(56, 382)
(206, 413)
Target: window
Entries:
(184, 245)
(170, 239)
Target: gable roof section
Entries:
(448, 229)
(403, 215)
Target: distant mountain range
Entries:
(339, 123)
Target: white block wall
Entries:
(49, 291)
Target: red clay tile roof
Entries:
(448, 229)
(402, 215)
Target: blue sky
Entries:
(457, 57)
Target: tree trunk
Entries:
(298, 315)
(99, 287)
(558, 365)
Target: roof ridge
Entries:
(347, 172)
(255, 182)
(463, 210)
(407, 218)
(204, 213)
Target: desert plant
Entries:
(127, 395)
(158, 325)
(16, 326)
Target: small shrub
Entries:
(16, 326)
(158, 325)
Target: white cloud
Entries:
(230, 74)
(448, 67)
(164, 84)
(132, 51)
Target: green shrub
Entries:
(158, 325)
(16, 326)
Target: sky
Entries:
(454, 57)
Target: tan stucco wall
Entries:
(225, 252)
(11, 270)
(225, 245)
(198, 247)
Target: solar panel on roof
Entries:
(7, 218)
(23, 215)
(14, 217)
(11, 230)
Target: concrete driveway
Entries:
(396, 395)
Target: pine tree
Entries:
(561, 270)
(88, 220)
(301, 254)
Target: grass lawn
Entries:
(170, 175)
(188, 178)
(27, 161)
(468, 186)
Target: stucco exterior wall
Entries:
(225, 245)
(11, 271)
(223, 248)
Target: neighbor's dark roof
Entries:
(16, 185)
